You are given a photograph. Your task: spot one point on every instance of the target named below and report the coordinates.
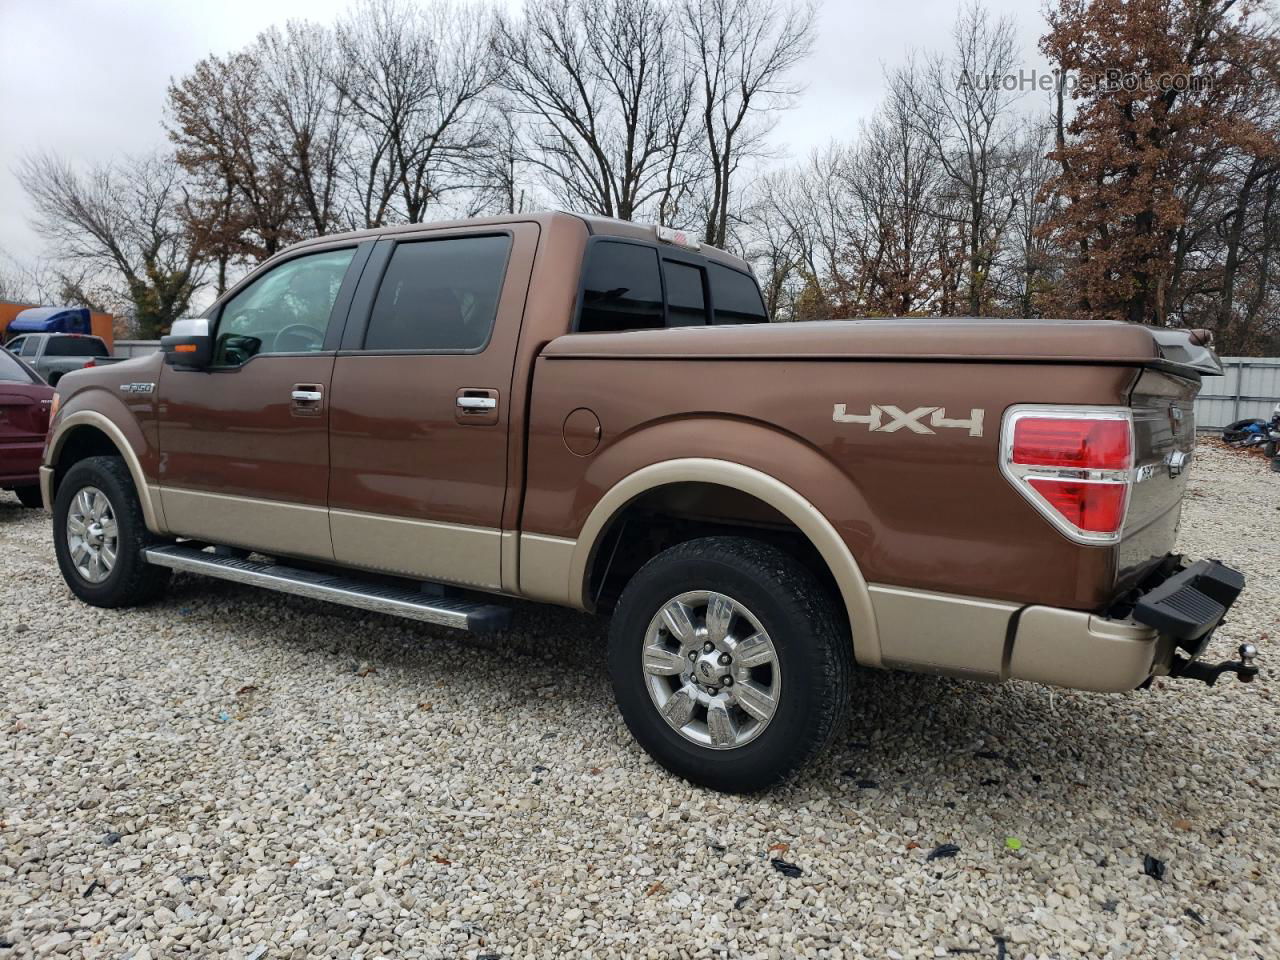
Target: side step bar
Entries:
(461, 614)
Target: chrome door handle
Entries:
(477, 403)
(307, 396)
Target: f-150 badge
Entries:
(886, 418)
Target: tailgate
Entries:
(1164, 440)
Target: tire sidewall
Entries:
(800, 663)
(95, 473)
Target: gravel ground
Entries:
(234, 773)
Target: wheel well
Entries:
(678, 512)
(81, 442)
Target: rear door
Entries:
(24, 419)
(244, 445)
(421, 402)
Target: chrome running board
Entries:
(461, 614)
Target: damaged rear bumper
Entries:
(1162, 631)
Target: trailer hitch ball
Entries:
(1244, 668)
(1247, 652)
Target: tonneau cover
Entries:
(950, 338)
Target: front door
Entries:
(421, 400)
(244, 445)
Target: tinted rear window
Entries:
(11, 371)
(75, 347)
(439, 295)
(621, 289)
(686, 302)
(735, 296)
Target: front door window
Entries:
(284, 311)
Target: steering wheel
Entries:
(297, 338)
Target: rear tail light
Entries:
(91, 363)
(1073, 464)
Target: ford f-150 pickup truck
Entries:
(424, 420)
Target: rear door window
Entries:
(622, 289)
(439, 295)
(686, 295)
(735, 296)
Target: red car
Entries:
(25, 401)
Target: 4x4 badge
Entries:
(899, 419)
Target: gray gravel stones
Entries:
(233, 773)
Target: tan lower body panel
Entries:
(942, 633)
(545, 569)
(448, 552)
(267, 525)
(46, 487)
(970, 637)
(1071, 648)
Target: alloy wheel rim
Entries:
(711, 670)
(92, 536)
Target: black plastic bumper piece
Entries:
(1191, 603)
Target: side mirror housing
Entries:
(188, 345)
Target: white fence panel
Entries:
(1249, 387)
(135, 348)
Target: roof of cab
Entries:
(595, 225)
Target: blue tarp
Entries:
(51, 320)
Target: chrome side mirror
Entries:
(188, 345)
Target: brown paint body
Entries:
(923, 511)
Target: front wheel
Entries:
(731, 664)
(99, 536)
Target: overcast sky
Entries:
(87, 79)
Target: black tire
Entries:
(29, 496)
(131, 581)
(814, 655)
(1269, 449)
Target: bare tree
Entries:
(1029, 263)
(118, 226)
(607, 100)
(414, 79)
(305, 121)
(967, 115)
(742, 52)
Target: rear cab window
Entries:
(75, 347)
(622, 288)
(735, 296)
(629, 285)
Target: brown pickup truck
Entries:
(426, 419)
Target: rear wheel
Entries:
(99, 536)
(29, 496)
(730, 663)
